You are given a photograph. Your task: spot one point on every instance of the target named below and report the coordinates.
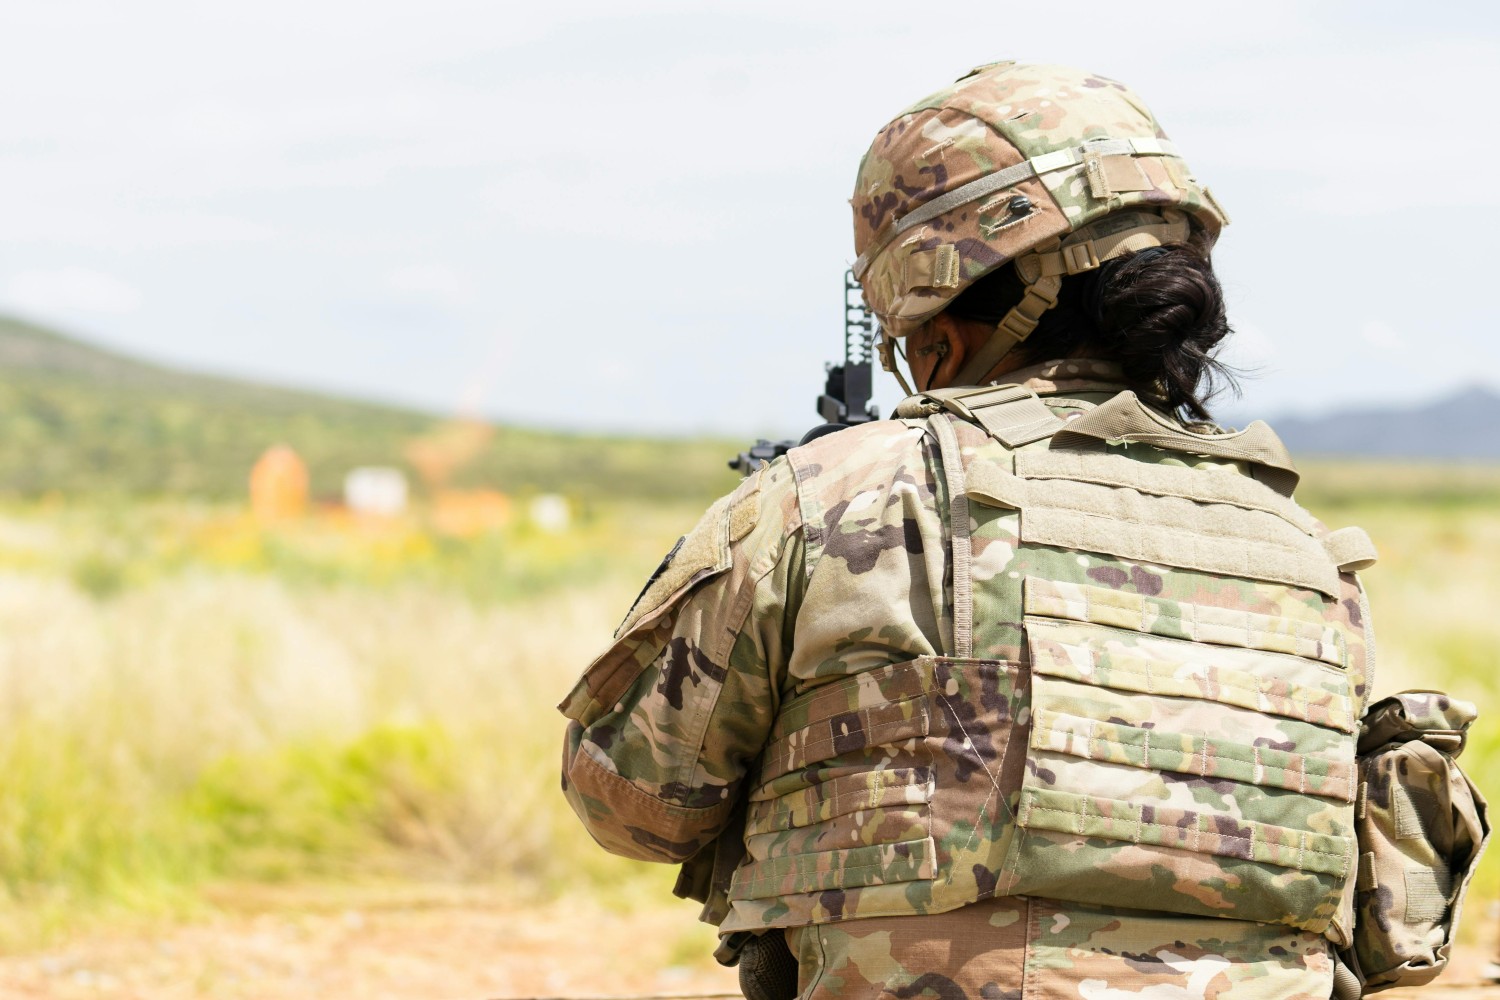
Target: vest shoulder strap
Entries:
(1011, 414)
(1125, 418)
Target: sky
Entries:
(633, 215)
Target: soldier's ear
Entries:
(951, 346)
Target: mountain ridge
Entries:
(29, 346)
(84, 419)
(1461, 424)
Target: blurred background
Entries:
(358, 362)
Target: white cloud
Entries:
(71, 290)
(1382, 336)
(431, 282)
(614, 371)
(1328, 133)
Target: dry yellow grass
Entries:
(225, 727)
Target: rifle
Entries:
(845, 400)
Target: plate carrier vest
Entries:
(1155, 706)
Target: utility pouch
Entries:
(1421, 826)
(705, 876)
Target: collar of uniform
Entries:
(1069, 375)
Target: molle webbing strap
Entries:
(1110, 469)
(1011, 414)
(1162, 530)
(1295, 629)
(1059, 159)
(1369, 879)
(958, 520)
(1125, 418)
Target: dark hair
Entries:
(1158, 313)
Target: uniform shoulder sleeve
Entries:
(667, 720)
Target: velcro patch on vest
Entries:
(702, 553)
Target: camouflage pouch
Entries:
(1421, 825)
(705, 877)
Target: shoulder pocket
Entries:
(1421, 827)
(698, 555)
(702, 554)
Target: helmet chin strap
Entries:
(888, 350)
(1017, 325)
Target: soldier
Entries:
(1045, 687)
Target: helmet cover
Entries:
(1008, 161)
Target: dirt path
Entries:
(417, 946)
(410, 947)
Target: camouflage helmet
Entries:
(1051, 168)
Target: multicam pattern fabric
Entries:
(1010, 948)
(996, 118)
(1123, 732)
(668, 718)
(1423, 826)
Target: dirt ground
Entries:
(427, 946)
(407, 945)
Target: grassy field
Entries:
(319, 757)
(194, 701)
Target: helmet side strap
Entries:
(1017, 325)
(888, 350)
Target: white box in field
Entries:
(374, 489)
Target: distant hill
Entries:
(1462, 425)
(79, 419)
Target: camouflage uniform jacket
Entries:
(1132, 675)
